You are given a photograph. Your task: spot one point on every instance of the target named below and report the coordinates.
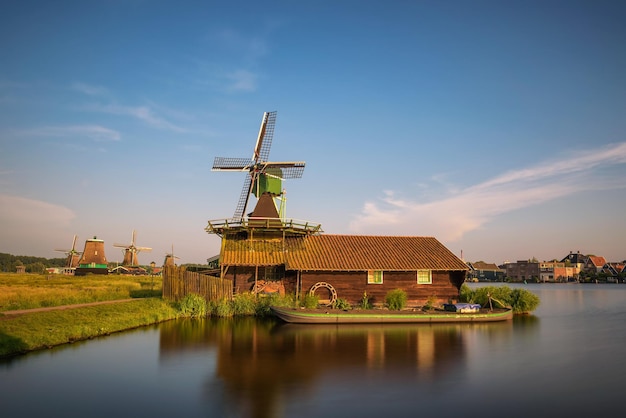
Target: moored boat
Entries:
(378, 316)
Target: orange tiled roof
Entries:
(345, 253)
(597, 260)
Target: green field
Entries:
(28, 291)
(39, 330)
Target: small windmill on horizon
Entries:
(170, 258)
(73, 256)
(264, 178)
(130, 252)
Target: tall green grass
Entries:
(28, 291)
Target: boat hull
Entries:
(330, 316)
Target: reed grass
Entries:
(521, 301)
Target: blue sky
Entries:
(495, 126)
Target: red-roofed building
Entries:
(594, 264)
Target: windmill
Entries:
(131, 251)
(93, 259)
(72, 255)
(264, 178)
(170, 258)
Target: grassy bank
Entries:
(37, 330)
(33, 331)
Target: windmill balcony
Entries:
(290, 226)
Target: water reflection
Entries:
(261, 363)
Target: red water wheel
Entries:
(329, 296)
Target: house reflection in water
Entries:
(262, 364)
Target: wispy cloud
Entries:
(90, 90)
(468, 209)
(241, 55)
(15, 212)
(142, 113)
(31, 226)
(248, 48)
(94, 132)
(242, 80)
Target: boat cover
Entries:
(461, 307)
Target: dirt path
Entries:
(9, 314)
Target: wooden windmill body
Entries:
(93, 259)
(170, 258)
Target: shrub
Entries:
(193, 306)
(396, 299)
(310, 301)
(498, 294)
(244, 304)
(342, 304)
(430, 302)
(264, 302)
(520, 300)
(466, 294)
(523, 301)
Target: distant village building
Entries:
(594, 264)
(577, 260)
(523, 270)
(555, 271)
(481, 271)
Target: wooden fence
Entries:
(178, 283)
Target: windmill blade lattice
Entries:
(232, 164)
(264, 140)
(243, 198)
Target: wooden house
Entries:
(342, 266)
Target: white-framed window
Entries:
(374, 277)
(424, 277)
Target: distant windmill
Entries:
(264, 178)
(170, 259)
(131, 251)
(93, 259)
(72, 255)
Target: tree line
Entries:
(9, 263)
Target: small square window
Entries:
(375, 277)
(424, 277)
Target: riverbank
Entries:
(41, 328)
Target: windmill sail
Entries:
(73, 256)
(263, 176)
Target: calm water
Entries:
(568, 358)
